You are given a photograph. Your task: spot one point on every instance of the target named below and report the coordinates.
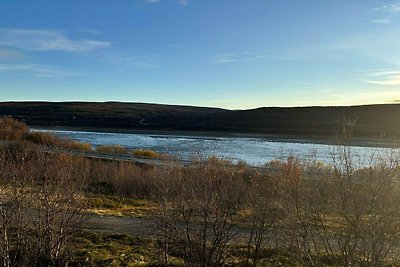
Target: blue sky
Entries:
(221, 53)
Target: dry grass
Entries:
(146, 153)
(11, 129)
(79, 146)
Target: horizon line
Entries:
(194, 106)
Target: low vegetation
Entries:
(211, 213)
(114, 205)
(146, 153)
(12, 130)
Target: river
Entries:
(253, 150)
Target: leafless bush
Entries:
(198, 209)
(40, 209)
(120, 178)
(349, 215)
(265, 205)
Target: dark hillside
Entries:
(367, 121)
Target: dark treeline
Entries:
(374, 121)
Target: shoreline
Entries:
(322, 140)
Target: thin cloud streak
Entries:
(383, 77)
(92, 31)
(183, 2)
(10, 54)
(225, 59)
(389, 12)
(139, 62)
(44, 40)
(228, 58)
(37, 70)
(178, 46)
(381, 21)
(393, 8)
(393, 80)
(380, 72)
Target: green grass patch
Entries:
(119, 206)
(96, 249)
(99, 249)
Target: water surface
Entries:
(253, 150)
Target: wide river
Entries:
(253, 150)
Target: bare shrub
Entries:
(349, 215)
(197, 218)
(265, 204)
(41, 203)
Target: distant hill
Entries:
(367, 121)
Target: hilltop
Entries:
(366, 121)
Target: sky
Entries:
(235, 54)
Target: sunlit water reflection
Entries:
(255, 151)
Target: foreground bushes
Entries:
(337, 215)
(41, 199)
(342, 214)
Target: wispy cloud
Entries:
(392, 80)
(381, 21)
(363, 42)
(388, 12)
(45, 40)
(225, 58)
(183, 2)
(246, 56)
(394, 7)
(140, 62)
(379, 46)
(37, 70)
(10, 54)
(92, 31)
(380, 72)
(179, 46)
(152, 1)
(383, 77)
